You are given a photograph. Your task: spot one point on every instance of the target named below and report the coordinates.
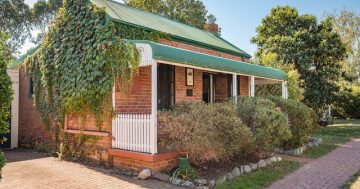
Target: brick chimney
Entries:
(211, 26)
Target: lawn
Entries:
(262, 177)
(334, 135)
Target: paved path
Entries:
(26, 170)
(328, 172)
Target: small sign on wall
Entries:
(189, 92)
(189, 77)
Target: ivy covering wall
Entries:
(82, 55)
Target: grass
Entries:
(262, 177)
(334, 135)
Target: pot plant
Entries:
(184, 170)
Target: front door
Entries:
(7, 143)
(208, 88)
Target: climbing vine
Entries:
(82, 55)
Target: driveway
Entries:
(27, 170)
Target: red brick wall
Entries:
(136, 165)
(212, 27)
(221, 88)
(244, 86)
(30, 124)
(180, 85)
(87, 123)
(202, 50)
(138, 98)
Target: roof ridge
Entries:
(173, 20)
(158, 15)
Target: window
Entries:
(166, 86)
(31, 87)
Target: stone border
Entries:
(297, 151)
(206, 184)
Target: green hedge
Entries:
(302, 120)
(268, 124)
(235, 129)
(346, 105)
(208, 132)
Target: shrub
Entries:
(268, 124)
(208, 132)
(2, 162)
(302, 120)
(346, 104)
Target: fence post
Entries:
(153, 129)
(114, 140)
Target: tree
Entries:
(6, 91)
(15, 20)
(42, 13)
(192, 12)
(347, 25)
(314, 49)
(294, 84)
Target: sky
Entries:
(238, 19)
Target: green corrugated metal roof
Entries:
(123, 13)
(21, 59)
(181, 56)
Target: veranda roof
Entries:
(171, 54)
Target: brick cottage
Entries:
(191, 65)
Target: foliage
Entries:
(295, 90)
(42, 13)
(2, 162)
(15, 19)
(6, 91)
(268, 124)
(334, 136)
(77, 147)
(262, 177)
(192, 12)
(302, 120)
(347, 24)
(75, 67)
(185, 173)
(347, 100)
(208, 132)
(314, 49)
(346, 104)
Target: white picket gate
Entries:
(133, 132)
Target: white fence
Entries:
(134, 132)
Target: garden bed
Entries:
(212, 170)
